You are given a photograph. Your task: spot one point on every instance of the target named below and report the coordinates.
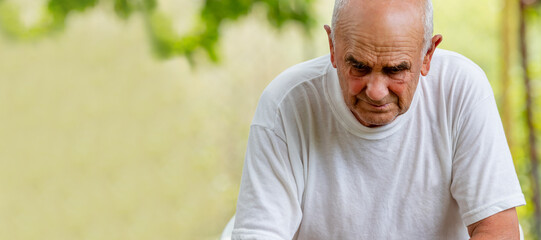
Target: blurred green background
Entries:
(114, 126)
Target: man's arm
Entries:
(502, 225)
(268, 206)
(484, 184)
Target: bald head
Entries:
(420, 11)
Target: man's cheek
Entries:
(355, 86)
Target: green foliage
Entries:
(124, 8)
(63, 7)
(11, 25)
(205, 35)
(53, 19)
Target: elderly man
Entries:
(388, 138)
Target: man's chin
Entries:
(381, 119)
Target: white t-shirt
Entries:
(312, 171)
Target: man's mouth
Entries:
(376, 107)
(371, 106)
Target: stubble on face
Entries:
(372, 113)
(380, 43)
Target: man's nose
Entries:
(376, 89)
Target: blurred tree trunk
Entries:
(506, 79)
(529, 115)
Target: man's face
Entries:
(378, 59)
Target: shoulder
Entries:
(290, 85)
(453, 68)
(458, 77)
(455, 88)
(447, 56)
(450, 64)
(294, 76)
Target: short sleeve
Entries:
(484, 178)
(268, 206)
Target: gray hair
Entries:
(427, 20)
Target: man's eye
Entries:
(360, 70)
(394, 70)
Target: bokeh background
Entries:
(129, 119)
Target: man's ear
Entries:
(331, 43)
(436, 40)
